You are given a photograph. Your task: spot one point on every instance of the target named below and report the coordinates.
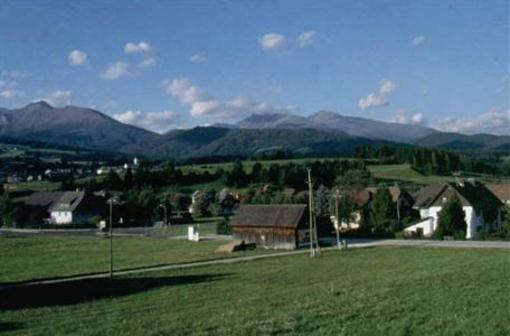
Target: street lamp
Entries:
(111, 201)
(165, 213)
(338, 223)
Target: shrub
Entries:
(223, 228)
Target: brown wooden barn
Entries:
(272, 226)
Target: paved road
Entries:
(352, 243)
(425, 242)
(131, 231)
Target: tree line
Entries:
(425, 160)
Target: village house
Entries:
(66, 207)
(272, 226)
(481, 208)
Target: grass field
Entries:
(383, 291)
(43, 257)
(404, 172)
(211, 167)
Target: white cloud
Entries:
(279, 42)
(184, 90)
(202, 105)
(77, 57)
(11, 94)
(147, 63)
(495, 121)
(110, 105)
(372, 101)
(198, 58)
(155, 121)
(13, 74)
(306, 38)
(387, 86)
(135, 48)
(115, 70)
(272, 41)
(375, 100)
(405, 116)
(200, 108)
(418, 40)
(59, 98)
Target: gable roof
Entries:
(68, 201)
(43, 199)
(471, 194)
(502, 191)
(478, 196)
(427, 195)
(281, 215)
(61, 200)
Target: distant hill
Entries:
(463, 142)
(323, 133)
(215, 141)
(354, 126)
(73, 126)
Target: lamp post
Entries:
(338, 223)
(164, 213)
(111, 201)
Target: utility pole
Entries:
(310, 210)
(398, 204)
(111, 201)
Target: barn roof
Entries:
(281, 215)
(69, 201)
(43, 199)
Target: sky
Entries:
(173, 64)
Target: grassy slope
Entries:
(404, 172)
(391, 291)
(42, 257)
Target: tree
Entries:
(381, 213)
(346, 207)
(148, 203)
(140, 205)
(7, 211)
(451, 220)
(256, 172)
(505, 224)
(354, 179)
(68, 184)
(321, 202)
(237, 176)
(129, 181)
(182, 203)
(201, 205)
(112, 181)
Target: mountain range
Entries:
(324, 133)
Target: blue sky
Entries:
(174, 64)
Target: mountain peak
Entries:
(40, 104)
(324, 114)
(264, 117)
